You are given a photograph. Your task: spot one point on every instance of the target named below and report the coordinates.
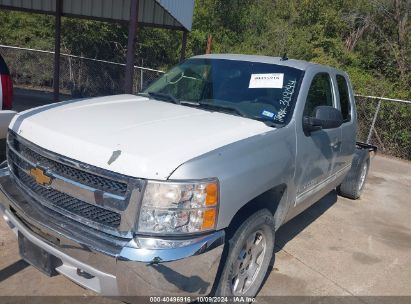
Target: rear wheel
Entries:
(354, 182)
(249, 254)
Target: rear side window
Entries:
(320, 93)
(344, 97)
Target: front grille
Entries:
(22, 156)
(82, 177)
(68, 203)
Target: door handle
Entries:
(335, 144)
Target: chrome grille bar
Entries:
(71, 187)
(92, 196)
(67, 204)
(116, 184)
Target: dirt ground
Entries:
(338, 247)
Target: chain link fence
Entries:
(79, 76)
(386, 123)
(383, 122)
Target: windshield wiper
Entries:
(268, 122)
(142, 94)
(164, 97)
(207, 103)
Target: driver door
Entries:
(317, 151)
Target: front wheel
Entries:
(249, 254)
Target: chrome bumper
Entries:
(188, 268)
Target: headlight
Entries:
(178, 208)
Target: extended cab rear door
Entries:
(346, 104)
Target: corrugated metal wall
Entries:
(162, 13)
(39, 5)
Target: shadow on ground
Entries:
(12, 269)
(291, 229)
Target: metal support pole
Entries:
(131, 47)
(183, 46)
(373, 121)
(141, 79)
(57, 43)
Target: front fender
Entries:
(245, 169)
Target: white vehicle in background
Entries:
(6, 102)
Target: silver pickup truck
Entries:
(180, 189)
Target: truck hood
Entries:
(131, 135)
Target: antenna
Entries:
(284, 58)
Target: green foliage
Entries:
(313, 30)
(378, 61)
(370, 40)
(26, 30)
(94, 39)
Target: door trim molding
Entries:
(322, 184)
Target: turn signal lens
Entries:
(209, 219)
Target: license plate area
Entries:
(37, 257)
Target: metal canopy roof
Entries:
(175, 14)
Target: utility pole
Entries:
(209, 43)
(131, 47)
(57, 47)
(183, 46)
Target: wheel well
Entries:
(270, 200)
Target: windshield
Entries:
(260, 91)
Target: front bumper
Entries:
(125, 269)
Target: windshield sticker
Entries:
(268, 81)
(268, 114)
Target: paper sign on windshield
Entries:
(268, 81)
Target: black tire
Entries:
(261, 222)
(354, 182)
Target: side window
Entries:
(344, 97)
(319, 94)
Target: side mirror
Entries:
(325, 117)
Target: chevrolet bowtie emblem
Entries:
(40, 177)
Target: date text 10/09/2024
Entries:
(163, 299)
